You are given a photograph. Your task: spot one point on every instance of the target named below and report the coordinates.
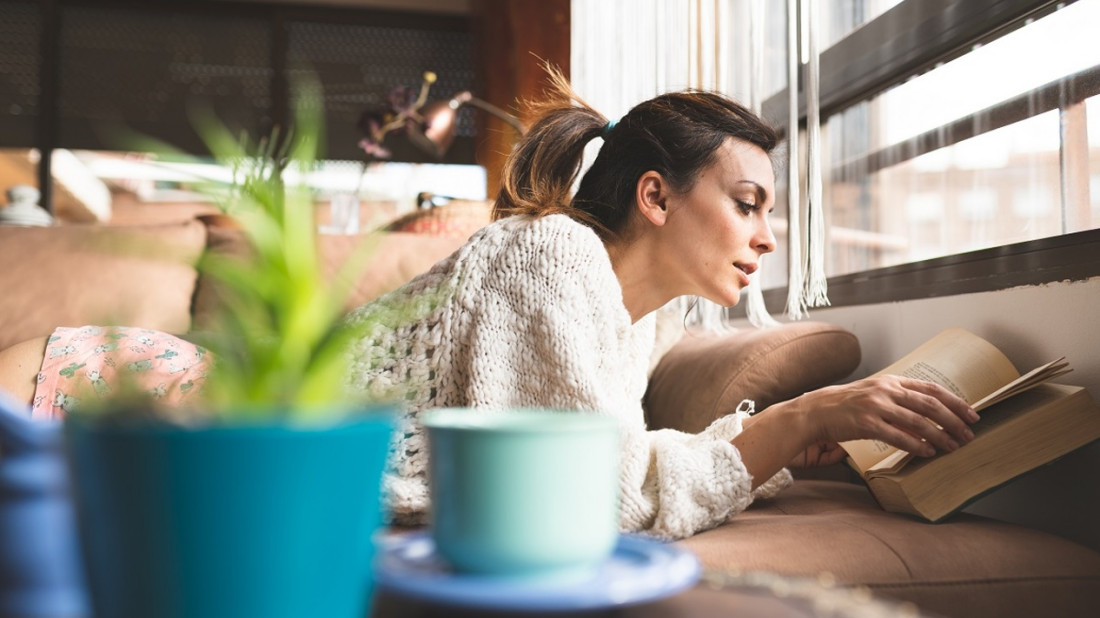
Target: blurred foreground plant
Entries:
(278, 339)
(279, 344)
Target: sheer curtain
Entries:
(626, 51)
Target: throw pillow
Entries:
(705, 375)
(74, 275)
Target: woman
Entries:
(552, 305)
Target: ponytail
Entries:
(538, 176)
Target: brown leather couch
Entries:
(832, 529)
(145, 275)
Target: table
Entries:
(718, 593)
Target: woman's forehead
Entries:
(740, 161)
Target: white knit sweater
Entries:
(530, 313)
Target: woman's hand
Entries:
(819, 454)
(893, 409)
(913, 415)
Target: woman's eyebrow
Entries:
(761, 192)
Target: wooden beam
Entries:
(511, 39)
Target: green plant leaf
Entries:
(280, 340)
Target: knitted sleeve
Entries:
(553, 332)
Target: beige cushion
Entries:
(705, 376)
(226, 241)
(394, 258)
(85, 274)
(391, 260)
(966, 566)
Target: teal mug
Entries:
(524, 491)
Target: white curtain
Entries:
(626, 51)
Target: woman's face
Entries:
(718, 230)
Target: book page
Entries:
(893, 462)
(960, 361)
(1029, 380)
(956, 359)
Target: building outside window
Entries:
(991, 143)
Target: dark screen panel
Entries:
(116, 68)
(131, 70)
(20, 30)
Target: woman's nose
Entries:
(765, 239)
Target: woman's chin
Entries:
(729, 298)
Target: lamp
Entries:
(430, 126)
(438, 120)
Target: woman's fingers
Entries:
(932, 413)
(916, 416)
(941, 417)
(906, 419)
(955, 404)
(909, 441)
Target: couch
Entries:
(825, 527)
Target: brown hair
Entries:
(675, 134)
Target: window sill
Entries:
(1071, 257)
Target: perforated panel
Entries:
(143, 69)
(358, 65)
(125, 69)
(19, 84)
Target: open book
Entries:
(1026, 422)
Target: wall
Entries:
(512, 39)
(1031, 325)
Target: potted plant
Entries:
(268, 507)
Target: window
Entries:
(951, 128)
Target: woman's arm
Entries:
(19, 367)
(892, 409)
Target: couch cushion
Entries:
(965, 566)
(705, 376)
(392, 259)
(227, 241)
(87, 274)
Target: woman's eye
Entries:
(747, 207)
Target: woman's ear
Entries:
(650, 196)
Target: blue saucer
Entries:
(639, 570)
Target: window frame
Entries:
(908, 39)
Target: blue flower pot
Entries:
(40, 573)
(273, 521)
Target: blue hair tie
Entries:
(607, 127)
